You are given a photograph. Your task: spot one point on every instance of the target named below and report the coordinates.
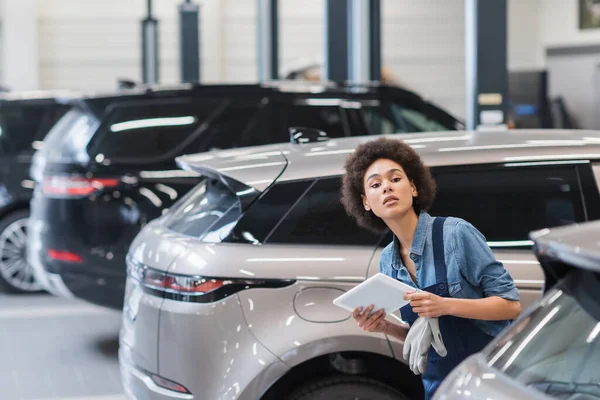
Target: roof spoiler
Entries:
(245, 193)
(557, 258)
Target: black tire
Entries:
(16, 276)
(345, 388)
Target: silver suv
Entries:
(553, 349)
(229, 294)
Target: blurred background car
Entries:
(25, 119)
(109, 169)
(552, 350)
(229, 294)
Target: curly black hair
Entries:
(364, 156)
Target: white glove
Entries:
(423, 333)
(437, 341)
(417, 345)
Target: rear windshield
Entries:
(68, 139)
(208, 212)
(555, 349)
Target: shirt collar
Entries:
(418, 244)
(421, 233)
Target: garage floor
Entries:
(54, 348)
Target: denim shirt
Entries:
(473, 271)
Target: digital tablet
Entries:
(379, 290)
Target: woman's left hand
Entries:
(427, 305)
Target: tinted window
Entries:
(152, 130)
(329, 119)
(319, 218)
(388, 117)
(267, 211)
(241, 124)
(506, 204)
(19, 126)
(208, 212)
(54, 113)
(555, 349)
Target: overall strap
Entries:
(438, 249)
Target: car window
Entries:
(389, 117)
(555, 347)
(264, 214)
(207, 212)
(151, 130)
(68, 139)
(329, 119)
(319, 218)
(19, 126)
(506, 204)
(241, 124)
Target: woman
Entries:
(461, 291)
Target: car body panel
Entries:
(574, 244)
(26, 118)
(231, 260)
(475, 380)
(141, 315)
(229, 364)
(16, 188)
(295, 340)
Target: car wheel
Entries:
(16, 276)
(346, 387)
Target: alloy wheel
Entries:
(13, 263)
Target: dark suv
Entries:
(111, 168)
(25, 118)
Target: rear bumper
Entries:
(101, 285)
(51, 283)
(77, 248)
(106, 290)
(100, 289)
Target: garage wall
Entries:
(525, 49)
(423, 44)
(560, 25)
(90, 47)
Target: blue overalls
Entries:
(461, 336)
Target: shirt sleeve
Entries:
(479, 265)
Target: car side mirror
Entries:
(300, 135)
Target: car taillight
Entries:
(194, 288)
(75, 186)
(67, 256)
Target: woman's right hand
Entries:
(373, 323)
